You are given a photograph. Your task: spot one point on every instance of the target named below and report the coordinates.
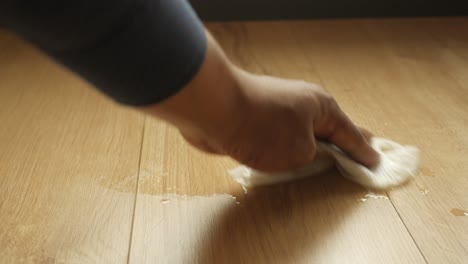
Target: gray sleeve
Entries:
(138, 52)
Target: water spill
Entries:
(373, 195)
(235, 199)
(459, 212)
(168, 197)
(422, 189)
(426, 172)
(244, 189)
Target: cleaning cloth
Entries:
(398, 163)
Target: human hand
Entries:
(276, 125)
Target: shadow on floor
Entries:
(280, 224)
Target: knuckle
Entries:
(356, 144)
(330, 101)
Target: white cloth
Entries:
(398, 164)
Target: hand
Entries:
(278, 122)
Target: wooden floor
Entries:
(85, 181)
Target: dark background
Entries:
(225, 10)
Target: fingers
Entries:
(338, 129)
(367, 134)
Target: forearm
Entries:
(137, 52)
(157, 56)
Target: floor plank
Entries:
(437, 68)
(69, 159)
(406, 79)
(68, 164)
(187, 209)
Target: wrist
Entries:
(211, 103)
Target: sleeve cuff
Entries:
(153, 55)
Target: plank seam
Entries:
(136, 190)
(407, 229)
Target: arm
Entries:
(265, 122)
(156, 56)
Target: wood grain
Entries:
(434, 63)
(405, 79)
(68, 164)
(306, 222)
(85, 181)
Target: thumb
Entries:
(338, 129)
